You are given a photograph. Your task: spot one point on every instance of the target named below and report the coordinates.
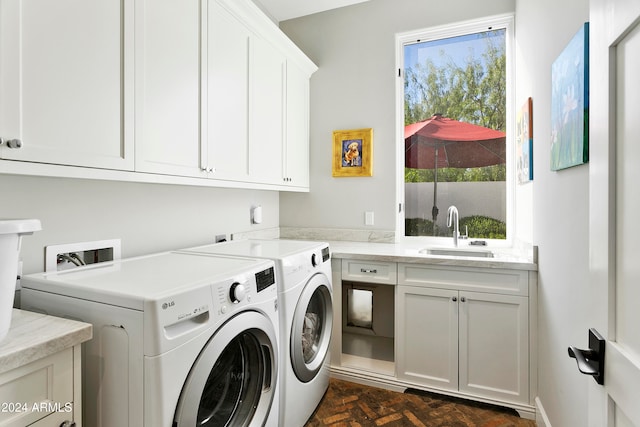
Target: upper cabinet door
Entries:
(225, 73)
(67, 82)
(266, 112)
(168, 88)
(296, 146)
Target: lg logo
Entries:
(168, 304)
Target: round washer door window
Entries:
(233, 380)
(311, 329)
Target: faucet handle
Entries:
(466, 233)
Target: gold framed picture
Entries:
(353, 152)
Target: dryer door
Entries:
(311, 328)
(233, 381)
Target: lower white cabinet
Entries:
(493, 337)
(460, 330)
(472, 342)
(427, 339)
(42, 393)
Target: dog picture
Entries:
(351, 150)
(352, 153)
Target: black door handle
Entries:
(591, 361)
(584, 358)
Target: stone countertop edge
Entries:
(397, 252)
(33, 336)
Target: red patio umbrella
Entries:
(441, 142)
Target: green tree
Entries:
(474, 92)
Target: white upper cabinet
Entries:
(266, 112)
(296, 142)
(203, 92)
(256, 99)
(168, 88)
(225, 92)
(66, 80)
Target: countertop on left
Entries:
(33, 336)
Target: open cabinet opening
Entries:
(368, 326)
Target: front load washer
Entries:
(306, 318)
(180, 340)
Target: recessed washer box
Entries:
(71, 255)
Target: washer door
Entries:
(311, 328)
(233, 381)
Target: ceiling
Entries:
(281, 10)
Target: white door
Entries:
(614, 204)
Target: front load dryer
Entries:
(306, 317)
(180, 340)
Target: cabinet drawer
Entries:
(38, 389)
(497, 281)
(368, 271)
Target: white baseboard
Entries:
(541, 416)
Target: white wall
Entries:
(354, 88)
(561, 213)
(147, 217)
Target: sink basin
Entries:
(478, 253)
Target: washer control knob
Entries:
(237, 292)
(314, 261)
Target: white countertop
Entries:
(33, 336)
(409, 253)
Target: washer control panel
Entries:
(244, 289)
(237, 292)
(265, 278)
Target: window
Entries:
(454, 112)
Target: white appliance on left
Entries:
(11, 232)
(179, 339)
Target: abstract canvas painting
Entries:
(570, 103)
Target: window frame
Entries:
(504, 21)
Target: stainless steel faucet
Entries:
(452, 218)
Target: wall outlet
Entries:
(368, 218)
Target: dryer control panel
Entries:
(298, 267)
(323, 257)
